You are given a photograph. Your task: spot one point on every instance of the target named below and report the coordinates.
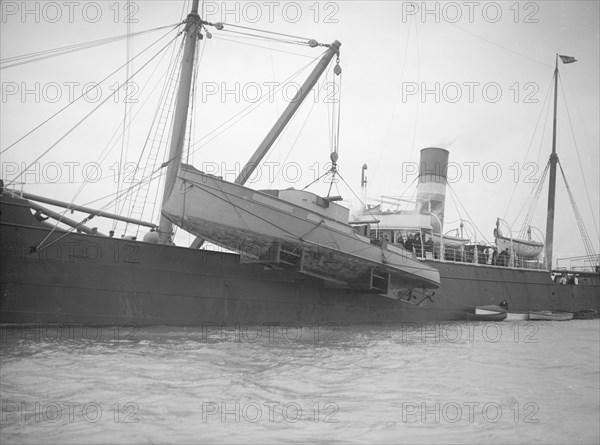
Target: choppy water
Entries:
(526, 382)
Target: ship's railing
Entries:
(476, 256)
(584, 263)
(15, 187)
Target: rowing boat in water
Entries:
(488, 313)
(548, 315)
(515, 316)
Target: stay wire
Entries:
(587, 192)
(110, 96)
(83, 94)
(72, 48)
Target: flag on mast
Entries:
(567, 59)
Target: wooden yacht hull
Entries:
(265, 227)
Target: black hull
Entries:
(83, 278)
(524, 289)
(486, 317)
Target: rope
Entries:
(264, 31)
(500, 46)
(266, 38)
(534, 200)
(217, 37)
(156, 139)
(126, 116)
(468, 216)
(82, 95)
(586, 188)
(293, 143)
(41, 245)
(22, 59)
(582, 231)
(529, 148)
(110, 96)
(241, 114)
(399, 90)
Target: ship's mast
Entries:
(552, 183)
(181, 111)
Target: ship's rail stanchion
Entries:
(583, 263)
(480, 256)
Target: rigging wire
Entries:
(219, 37)
(293, 144)
(142, 192)
(259, 37)
(586, 188)
(45, 54)
(217, 131)
(84, 93)
(529, 148)
(266, 31)
(399, 90)
(582, 230)
(106, 151)
(466, 212)
(534, 200)
(418, 107)
(499, 46)
(41, 245)
(126, 116)
(110, 96)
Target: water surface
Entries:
(525, 382)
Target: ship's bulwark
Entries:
(87, 279)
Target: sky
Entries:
(474, 78)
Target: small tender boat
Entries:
(587, 314)
(548, 315)
(492, 316)
(490, 309)
(488, 313)
(514, 316)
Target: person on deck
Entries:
(417, 244)
(494, 256)
(384, 241)
(400, 241)
(503, 258)
(410, 242)
(429, 245)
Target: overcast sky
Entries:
(472, 77)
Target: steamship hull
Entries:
(468, 285)
(83, 279)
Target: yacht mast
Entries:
(181, 111)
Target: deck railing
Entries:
(483, 257)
